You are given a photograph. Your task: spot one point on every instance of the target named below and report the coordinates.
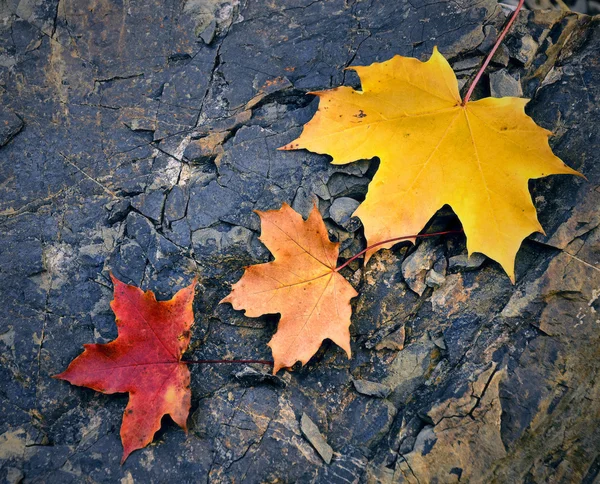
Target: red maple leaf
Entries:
(144, 361)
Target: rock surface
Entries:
(139, 137)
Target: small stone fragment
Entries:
(554, 75)
(371, 388)
(312, 434)
(526, 50)
(118, 211)
(14, 475)
(342, 209)
(470, 63)
(249, 377)
(502, 84)
(208, 34)
(491, 34)
(175, 204)
(434, 279)
(394, 341)
(206, 149)
(463, 261)
(416, 266)
(10, 125)
(439, 342)
(501, 57)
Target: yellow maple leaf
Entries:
(476, 157)
(301, 284)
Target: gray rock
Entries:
(312, 434)
(463, 261)
(341, 210)
(467, 64)
(208, 34)
(371, 388)
(434, 279)
(502, 84)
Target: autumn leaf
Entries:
(144, 360)
(301, 284)
(477, 158)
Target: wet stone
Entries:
(138, 139)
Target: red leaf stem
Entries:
(396, 239)
(492, 52)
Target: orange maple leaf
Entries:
(144, 360)
(476, 157)
(301, 284)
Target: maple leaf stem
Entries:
(211, 362)
(397, 239)
(492, 52)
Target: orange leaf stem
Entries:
(396, 239)
(492, 52)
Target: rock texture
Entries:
(139, 137)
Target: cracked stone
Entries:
(175, 204)
(312, 434)
(13, 475)
(342, 185)
(10, 125)
(150, 204)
